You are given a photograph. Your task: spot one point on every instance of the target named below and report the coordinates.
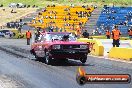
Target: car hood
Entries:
(66, 42)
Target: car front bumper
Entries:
(72, 54)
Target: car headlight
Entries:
(83, 46)
(56, 46)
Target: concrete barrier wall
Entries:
(96, 46)
(120, 53)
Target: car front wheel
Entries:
(83, 60)
(47, 58)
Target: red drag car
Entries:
(59, 45)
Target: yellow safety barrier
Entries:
(121, 53)
(95, 46)
(131, 42)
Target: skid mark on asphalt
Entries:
(7, 82)
(50, 75)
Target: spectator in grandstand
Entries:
(69, 17)
(68, 14)
(50, 17)
(130, 33)
(108, 34)
(113, 11)
(48, 5)
(55, 16)
(33, 6)
(68, 24)
(116, 36)
(65, 18)
(80, 24)
(73, 26)
(46, 16)
(51, 28)
(61, 29)
(85, 34)
(125, 23)
(40, 13)
(3, 9)
(44, 10)
(83, 6)
(1, 5)
(78, 31)
(95, 6)
(12, 11)
(113, 18)
(56, 28)
(41, 21)
(121, 23)
(28, 6)
(53, 5)
(72, 5)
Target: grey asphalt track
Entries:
(18, 64)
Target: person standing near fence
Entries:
(78, 31)
(116, 36)
(85, 34)
(108, 34)
(130, 33)
(28, 36)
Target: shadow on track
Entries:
(67, 63)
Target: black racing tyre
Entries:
(47, 58)
(38, 58)
(83, 60)
(63, 60)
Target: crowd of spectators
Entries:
(21, 5)
(52, 14)
(110, 16)
(17, 25)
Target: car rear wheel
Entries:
(47, 58)
(83, 60)
(38, 58)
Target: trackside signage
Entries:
(91, 46)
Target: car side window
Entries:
(43, 38)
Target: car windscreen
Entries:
(59, 36)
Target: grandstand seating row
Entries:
(110, 16)
(62, 16)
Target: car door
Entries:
(39, 50)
